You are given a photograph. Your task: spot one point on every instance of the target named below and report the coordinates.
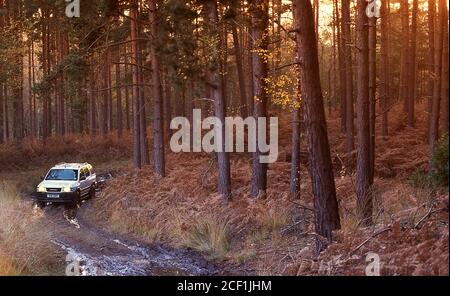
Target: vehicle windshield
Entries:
(62, 175)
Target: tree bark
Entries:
(119, 97)
(2, 112)
(342, 71)
(363, 169)
(412, 65)
(349, 124)
(384, 71)
(444, 80)
(158, 119)
(127, 93)
(372, 89)
(240, 71)
(295, 161)
(404, 61)
(437, 85)
(167, 107)
(5, 114)
(260, 26)
(251, 91)
(324, 191)
(135, 75)
(216, 87)
(431, 19)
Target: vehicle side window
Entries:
(82, 173)
(88, 173)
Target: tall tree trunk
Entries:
(17, 90)
(349, 125)
(127, 93)
(104, 114)
(437, 85)
(404, 61)
(260, 20)
(167, 107)
(5, 114)
(322, 179)
(119, 96)
(216, 82)
(444, 79)
(92, 106)
(384, 71)
(431, 18)
(2, 23)
(334, 67)
(251, 91)
(30, 93)
(316, 19)
(342, 71)
(108, 91)
(412, 87)
(363, 169)
(145, 157)
(2, 115)
(33, 81)
(158, 119)
(372, 89)
(240, 70)
(135, 71)
(295, 161)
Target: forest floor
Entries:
(274, 235)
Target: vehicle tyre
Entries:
(76, 203)
(92, 193)
(41, 205)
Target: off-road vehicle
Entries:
(67, 183)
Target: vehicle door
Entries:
(89, 177)
(84, 184)
(92, 177)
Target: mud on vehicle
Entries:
(66, 183)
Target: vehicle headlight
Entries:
(67, 189)
(41, 189)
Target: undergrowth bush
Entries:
(419, 179)
(25, 247)
(438, 175)
(439, 171)
(208, 235)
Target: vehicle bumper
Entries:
(63, 197)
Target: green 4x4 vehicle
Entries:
(67, 183)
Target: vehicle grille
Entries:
(53, 189)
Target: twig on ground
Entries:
(428, 214)
(301, 206)
(383, 230)
(285, 230)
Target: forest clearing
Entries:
(355, 177)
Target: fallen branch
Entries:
(301, 206)
(285, 230)
(428, 214)
(383, 230)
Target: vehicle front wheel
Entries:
(39, 204)
(92, 193)
(76, 203)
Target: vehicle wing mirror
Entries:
(42, 177)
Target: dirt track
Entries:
(91, 250)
